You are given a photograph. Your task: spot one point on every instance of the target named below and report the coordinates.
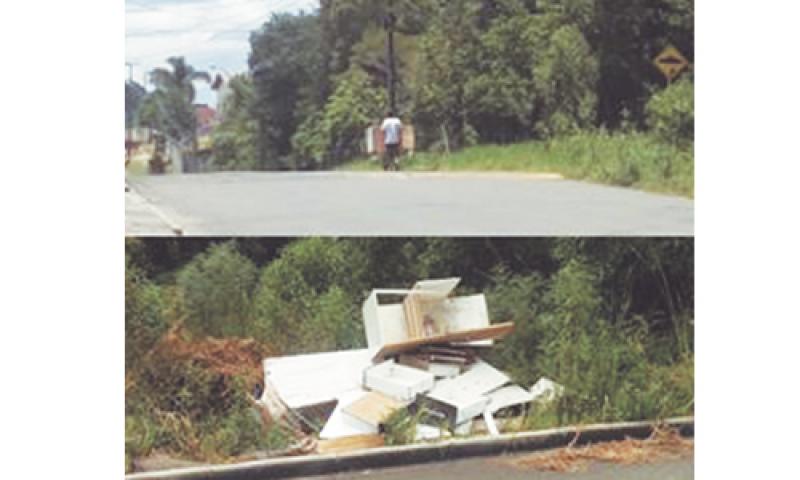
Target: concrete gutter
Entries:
(406, 174)
(415, 454)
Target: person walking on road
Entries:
(392, 129)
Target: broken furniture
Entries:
(424, 349)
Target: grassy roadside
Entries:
(630, 159)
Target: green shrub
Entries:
(337, 135)
(144, 320)
(188, 410)
(566, 78)
(518, 299)
(400, 428)
(217, 287)
(307, 301)
(670, 113)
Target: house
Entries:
(206, 119)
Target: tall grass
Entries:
(626, 159)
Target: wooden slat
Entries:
(349, 444)
(492, 332)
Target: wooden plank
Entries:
(350, 444)
(413, 313)
(489, 333)
(373, 408)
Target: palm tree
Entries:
(181, 78)
(172, 101)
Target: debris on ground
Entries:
(423, 356)
(231, 357)
(663, 445)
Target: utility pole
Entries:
(389, 24)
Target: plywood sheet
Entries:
(340, 424)
(373, 408)
(492, 332)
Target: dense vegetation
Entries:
(625, 158)
(612, 319)
(469, 72)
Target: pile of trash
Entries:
(424, 355)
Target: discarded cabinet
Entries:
(462, 398)
(398, 381)
(426, 311)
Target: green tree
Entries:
(446, 61)
(134, 94)
(286, 64)
(217, 287)
(670, 113)
(170, 108)
(501, 92)
(306, 300)
(144, 320)
(566, 78)
(234, 140)
(338, 133)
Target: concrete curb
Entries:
(506, 175)
(416, 454)
(176, 229)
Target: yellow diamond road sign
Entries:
(671, 62)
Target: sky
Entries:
(211, 34)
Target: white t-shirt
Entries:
(392, 130)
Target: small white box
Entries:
(398, 381)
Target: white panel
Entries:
(479, 379)
(440, 287)
(303, 380)
(341, 424)
(466, 313)
(392, 324)
(507, 397)
(369, 312)
(398, 381)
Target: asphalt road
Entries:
(141, 216)
(490, 469)
(377, 203)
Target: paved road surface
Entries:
(376, 203)
(141, 216)
(490, 469)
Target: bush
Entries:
(217, 288)
(670, 113)
(518, 299)
(336, 135)
(234, 146)
(187, 409)
(144, 321)
(306, 300)
(566, 81)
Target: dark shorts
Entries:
(393, 149)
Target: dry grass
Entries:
(662, 445)
(230, 357)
